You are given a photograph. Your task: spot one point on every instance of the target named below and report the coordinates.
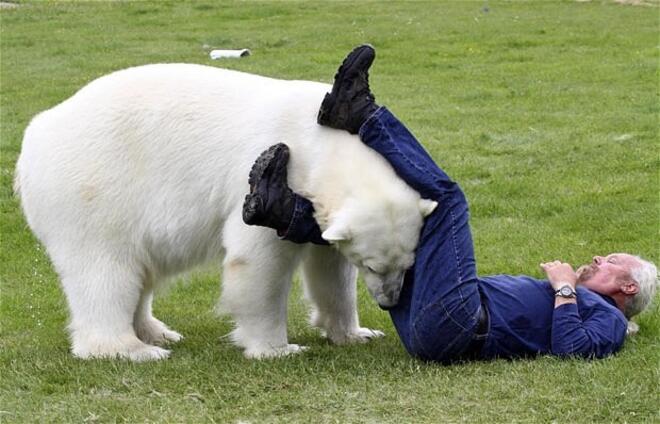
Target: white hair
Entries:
(646, 277)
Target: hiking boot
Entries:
(350, 102)
(270, 202)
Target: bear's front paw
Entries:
(357, 335)
(274, 352)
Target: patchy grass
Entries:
(545, 112)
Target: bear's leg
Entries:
(148, 328)
(257, 273)
(330, 287)
(103, 293)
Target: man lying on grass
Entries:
(443, 311)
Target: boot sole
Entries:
(353, 57)
(251, 206)
(253, 203)
(329, 101)
(263, 162)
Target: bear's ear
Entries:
(336, 232)
(426, 207)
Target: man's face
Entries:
(605, 275)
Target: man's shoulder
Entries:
(591, 297)
(590, 300)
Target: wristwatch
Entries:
(566, 291)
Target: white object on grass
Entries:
(218, 54)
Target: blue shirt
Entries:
(524, 321)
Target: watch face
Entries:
(566, 291)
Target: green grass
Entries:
(545, 112)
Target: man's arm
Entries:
(600, 335)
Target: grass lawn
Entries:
(546, 112)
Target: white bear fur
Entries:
(141, 175)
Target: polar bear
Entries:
(141, 175)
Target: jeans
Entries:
(440, 303)
(303, 228)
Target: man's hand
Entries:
(559, 274)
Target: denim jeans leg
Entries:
(439, 305)
(303, 228)
(383, 132)
(444, 294)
